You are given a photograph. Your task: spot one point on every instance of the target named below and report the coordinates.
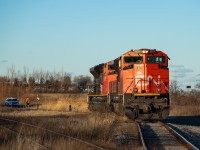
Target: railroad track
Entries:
(188, 132)
(26, 138)
(160, 136)
(9, 124)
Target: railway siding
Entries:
(34, 144)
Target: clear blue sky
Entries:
(74, 35)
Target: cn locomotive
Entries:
(135, 84)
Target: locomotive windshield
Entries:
(155, 59)
(133, 59)
(111, 67)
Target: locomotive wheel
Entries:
(100, 107)
(96, 106)
(131, 113)
(163, 113)
(136, 112)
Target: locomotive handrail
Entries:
(165, 86)
(129, 86)
(131, 83)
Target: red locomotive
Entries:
(136, 84)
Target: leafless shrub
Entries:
(184, 102)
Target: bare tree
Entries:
(36, 75)
(175, 91)
(31, 83)
(197, 86)
(41, 81)
(66, 82)
(11, 74)
(81, 82)
(25, 75)
(16, 82)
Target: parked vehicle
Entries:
(12, 102)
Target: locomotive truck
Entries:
(135, 84)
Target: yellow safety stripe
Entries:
(99, 95)
(146, 94)
(135, 94)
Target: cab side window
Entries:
(155, 59)
(133, 59)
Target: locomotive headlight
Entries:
(135, 90)
(145, 51)
(159, 90)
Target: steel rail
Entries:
(180, 137)
(141, 137)
(176, 135)
(64, 135)
(28, 138)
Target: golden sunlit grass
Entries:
(54, 114)
(187, 110)
(185, 105)
(94, 127)
(62, 104)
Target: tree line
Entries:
(16, 83)
(43, 82)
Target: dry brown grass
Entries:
(96, 128)
(61, 103)
(13, 141)
(186, 104)
(185, 110)
(93, 127)
(183, 105)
